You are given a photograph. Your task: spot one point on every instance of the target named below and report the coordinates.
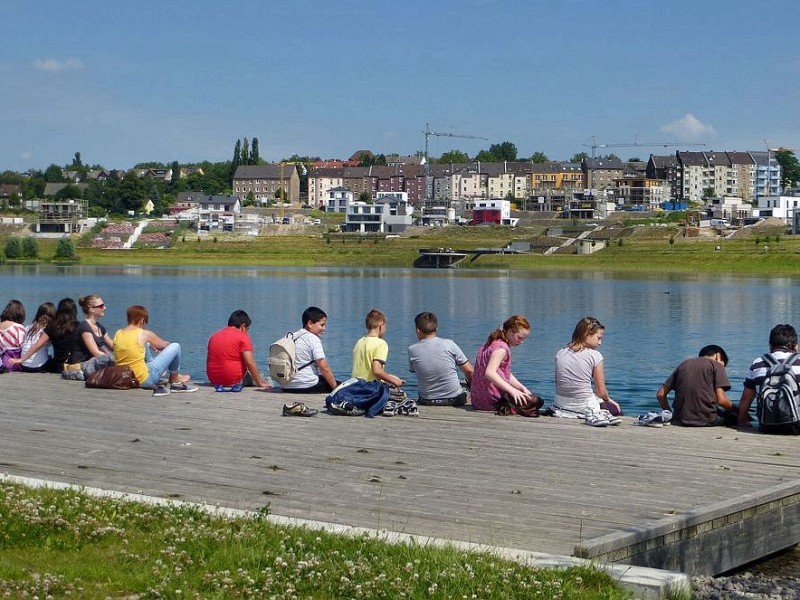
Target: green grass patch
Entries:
(67, 544)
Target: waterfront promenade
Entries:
(545, 485)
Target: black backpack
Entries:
(778, 409)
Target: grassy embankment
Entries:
(630, 249)
(57, 544)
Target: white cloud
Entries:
(688, 129)
(51, 65)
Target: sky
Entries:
(129, 82)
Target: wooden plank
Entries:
(536, 484)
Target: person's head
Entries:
(588, 333)
(239, 318)
(783, 336)
(513, 331)
(315, 320)
(14, 311)
(137, 315)
(426, 324)
(92, 305)
(376, 321)
(715, 352)
(67, 309)
(45, 314)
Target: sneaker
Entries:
(389, 409)
(597, 420)
(182, 386)
(612, 419)
(298, 409)
(160, 390)
(228, 388)
(345, 409)
(408, 408)
(650, 419)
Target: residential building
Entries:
(63, 216)
(784, 206)
(339, 198)
(767, 175)
(217, 211)
(642, 193)
(389, 214)
(321, 180)
(601, 173)
(666, 169)
(265, 181)
(493, 212)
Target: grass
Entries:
(634, 249)
(56, 544)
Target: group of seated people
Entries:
(55, 341)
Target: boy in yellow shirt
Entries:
(371, 351)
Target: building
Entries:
(493, 212)
(602, 172)
(217, 211)
(268, 183)
(642, 193)
(339, 198)
(388, 214)
(665, 168)
(783, 206)
(62, 216)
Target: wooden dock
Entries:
(545, 485)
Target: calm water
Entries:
(652, 323)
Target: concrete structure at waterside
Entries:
(700, 501)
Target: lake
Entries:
(652, 322)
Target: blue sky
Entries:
(125, 82)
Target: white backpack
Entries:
(282, 358)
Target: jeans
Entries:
(169, 359)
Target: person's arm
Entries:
(380, 373)
(495, 360)
(468, 370)
(661, 395)
(249, 360)
(325, 372)
(40, 343)
(748, 395)
(722, 398)
(155, 341)
(91, 345)
(599, 378)
(109, 342)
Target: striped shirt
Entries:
(758, 370)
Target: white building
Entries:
(782, 207)
(389, 214)
(338, 199)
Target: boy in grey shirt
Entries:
(436, 362)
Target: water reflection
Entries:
(652, 321)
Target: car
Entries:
(317, 221)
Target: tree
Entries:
(133, 192)
(453, 157)
(579, 157)
(365, 196)
(254, 157)
(65, 249)
(790, 168)
(68, 192)
(13, 248)
(485, 156)
(30, 247)
(245, 152)
(504, 151)
(77, 162)
(539, 157)
(708, 193)
(54, 174)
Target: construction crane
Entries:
(428, 133)
(594, 145)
